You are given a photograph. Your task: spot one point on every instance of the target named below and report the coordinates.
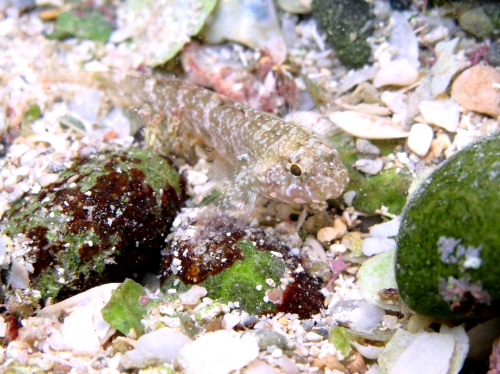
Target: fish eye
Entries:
(296, 170)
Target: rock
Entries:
(238, 265)
(493, 54)
(267, 338)
(368, 166)
(447, 246)
(442, 113)
(400, 4)
(366, 148)
(474, 90)
(396, 73)
(104, 220)
(420, 139)
(345, 24)
(480, 21)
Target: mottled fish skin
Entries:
(266, 155)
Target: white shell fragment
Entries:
(403, 39)
(218, 353)
(374, 246)
(424, 352)
(442, 113)
(396, 73)
(157, 347)
(420, 139)
(18, 277)
(377, 273)
(386, 229)
(253, 23)
(367, 126)
(358, 315)
(447, 64)
(370, 352)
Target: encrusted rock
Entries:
(447, 246)
(104, 220)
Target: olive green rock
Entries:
(449, 241)
(345, 23)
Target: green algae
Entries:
(123, 311)
(448, 245)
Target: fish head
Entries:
(306, 171)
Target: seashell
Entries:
(442, 113)
(367, 126)
(396, 73)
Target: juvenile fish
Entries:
(259, 153)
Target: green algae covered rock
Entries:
(449, 241)
(104, 220)
(250, 267)
(345, 24)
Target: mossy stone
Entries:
(104, 220)
(449, 241)
(388, 188)
(345, 23)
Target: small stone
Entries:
(326, 234)
(420, 138)
(493, 54)
(365, 147)
(475, 90)
(396, 73)
(371, 167)
(313, 337)
(442, 113)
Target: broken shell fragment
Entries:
(367, 126)
(396, 73)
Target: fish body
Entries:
(264, 155)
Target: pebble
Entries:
(326, 234)
(493, 54)
(365, 147)
(368, 166)
(442, 113)
(396, 73)
(475, 90)
(420, 139)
